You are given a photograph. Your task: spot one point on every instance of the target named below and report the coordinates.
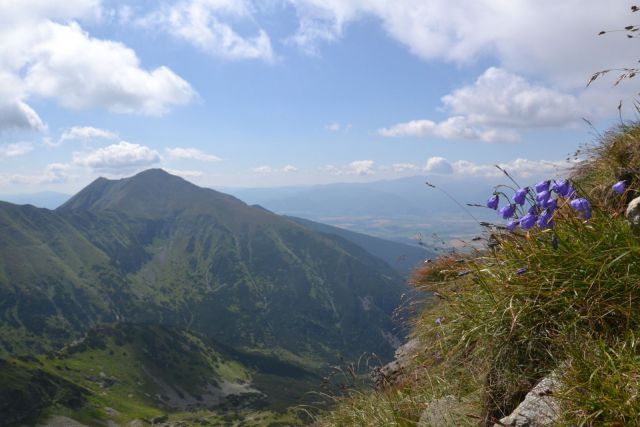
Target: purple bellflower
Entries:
(527, 221)
(507, 211)
(580, 204)
(619, 187)
(543, 198)
(511, 226)
(561, 187)
(521, 195)
(544, 220)
(542, 186)
(493, 201)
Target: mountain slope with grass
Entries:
(557, 297)
(154, 251)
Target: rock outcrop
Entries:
(391, 372)
(540, 408)
(633, 212)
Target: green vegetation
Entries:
(508, 316)
(208, 288)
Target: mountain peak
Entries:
(151, 193)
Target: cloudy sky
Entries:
(284, 92)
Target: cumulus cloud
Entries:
(438, 165)
(494, 108)
(16, 149)
(500, 98)
(54, 173)
(83, 72)
(85, 133)
(120, 158)
(204, 24)
(519, 167)
(44, 52)
(453, 128)
(546, 38)
(191, 154)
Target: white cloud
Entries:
(15, 114)
(83, 72)
(123, 157)
(204, 24)
(191, 154)
(457, 127)
(337, 127)
(438, 165)
(357, 167)
(493, 108)
(86, 133)
(333, 127)
(44, 52)
(502, 99)
(553, 39)
(184, 173)
(266, 169)
(524, 168)
(16, 149)
(403, 167)
(54, 173)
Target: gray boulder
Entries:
(633, 212)
(391, 372)
(539, 408)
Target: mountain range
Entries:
(177, 280)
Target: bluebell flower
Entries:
(586, 214)
(570, 193)
(521, 271)
(543, 198)
(521, 195)
(508, 211)
(542, 186)
(527, 221)
(544, 220)
(493, 201)
(552, 205)
(619, 187)
(561, 187)
(580, 204)
(511, 226)
(533, 210)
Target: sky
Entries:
(248, 93)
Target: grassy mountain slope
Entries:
(561, 300)
(402, 257)
(282, 301)
(240, 274)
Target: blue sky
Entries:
(286, 92)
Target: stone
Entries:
(539, 408)
(440, 413)
(633, 212)
(391, 372)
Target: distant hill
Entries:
(399, 256)
(396, 209)
(45, 199)
(155, 249)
